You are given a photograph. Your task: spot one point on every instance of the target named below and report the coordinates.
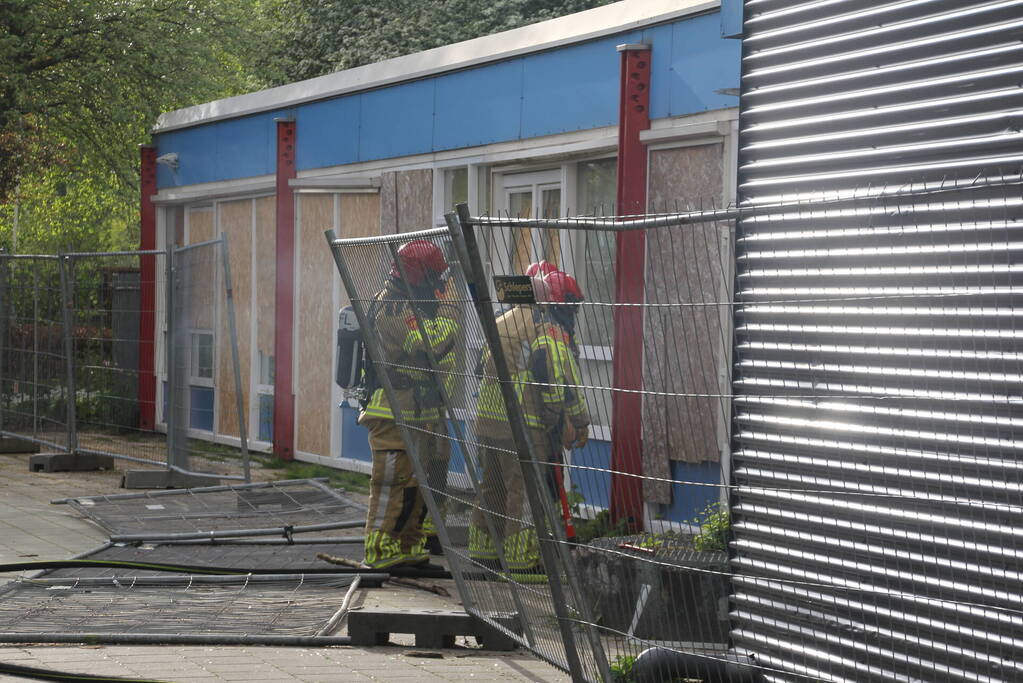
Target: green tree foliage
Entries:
(313, 37)
(81, 83)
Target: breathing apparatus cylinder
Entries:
(349, 350)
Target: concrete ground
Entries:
(31, 528)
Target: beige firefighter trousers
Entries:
(394, 521)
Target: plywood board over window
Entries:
(236, 222)
(265, 279)
(314, 303)
(406, 201)
(684, 344)
(202, 287)
(200, 224)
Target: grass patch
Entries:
(213, 451)
(293, 469)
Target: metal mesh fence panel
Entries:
(660, 579)
(105, 304)
(34, 380)
(873, 495)
(166, 606)
(197, 273)
(78, 367)
(426, 346)
(274, 506)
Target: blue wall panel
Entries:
(731, 18)
(200, 408)
(661, 75)
(701, 63)
(593, 484)
(197, 158)
(354, 438)
(566, 89)
(574, 88)
(396, 121)
(689, 500)
(479, 106)
(249, 143)
(328, 133)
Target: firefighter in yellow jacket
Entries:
(537, 341)
(394, 522)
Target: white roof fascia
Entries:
(335, 184)
(618, 17)
(256, 185)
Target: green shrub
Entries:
(715, 528)
(621, 668)
(599, 527)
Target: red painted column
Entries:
(284, 298)
(147, 290)
(630, 264)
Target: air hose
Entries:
(405, 572)
(50, 675)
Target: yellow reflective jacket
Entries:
(541, 361)
(403, 345)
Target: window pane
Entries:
(456, 182)
(551, 202)
(202, 355)
(597, 187)
(266, 368)
(520, 204)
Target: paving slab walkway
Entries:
(31, 528)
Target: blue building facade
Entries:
(390, 147)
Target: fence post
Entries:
(35, 351)
(239, 399)
(538, 504)
(169, 414)
(4, 307)
(67, 301)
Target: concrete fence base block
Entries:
(69, 462)
(433, 629)
(166, 479)
(11, 445)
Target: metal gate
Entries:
(876, 503)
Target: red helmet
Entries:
(421, 261)
(541, 268)
(557, 288)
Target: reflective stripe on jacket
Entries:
(404, 347)
(545, 372)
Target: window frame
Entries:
(195, 379)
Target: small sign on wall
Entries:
(514, 289)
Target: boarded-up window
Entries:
(686, 330)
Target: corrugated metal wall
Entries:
(877, 513)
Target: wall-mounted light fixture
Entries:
(170, 159)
